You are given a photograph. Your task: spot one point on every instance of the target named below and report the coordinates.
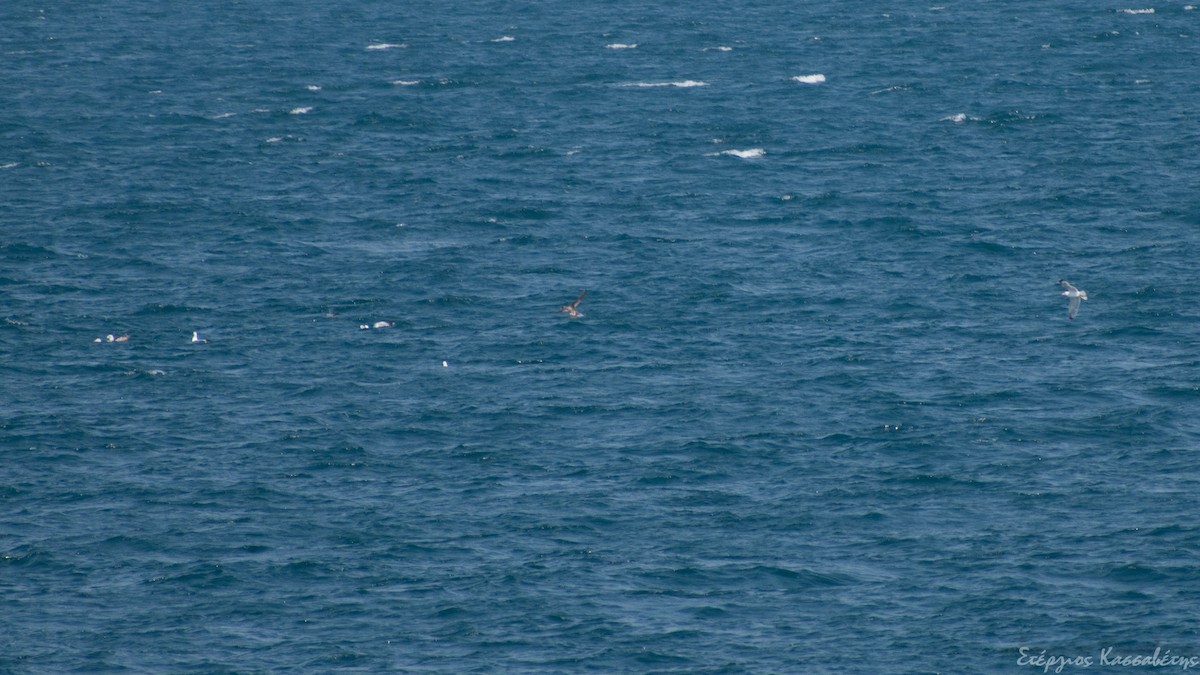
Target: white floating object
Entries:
(445, 365)
(197, 339)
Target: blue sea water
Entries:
(824, 411)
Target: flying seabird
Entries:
(1075, 295)
(571, 309)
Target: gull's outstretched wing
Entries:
(578, 300)
(1073, 309)
(1067, 285)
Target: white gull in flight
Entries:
(1075, 295)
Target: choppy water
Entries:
(824, 411)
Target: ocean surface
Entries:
(824, 410)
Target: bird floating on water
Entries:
(1075, 295)
(377, 324)
(572, 309)
(197, 339)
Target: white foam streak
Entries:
(684, 84)
(815, 78)
(752, 153)
(10, 165)
(300, 111)
(405, 83)
(505, 38)
(1148, 10)
(619, 45)
(385, 45)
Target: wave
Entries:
(504, 38)
(386, 45)
(1148, 10)
(618, 45)
(405, 83)
(682, 84)
(815, 78)
(752, 153)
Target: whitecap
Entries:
(957, 119)
(9, 165)
(224, 115)
(275, 139)
(619, 45)
(505, 38)
(385, 45)
(313, 87)
(752, 153)
(684, 84)
(815, 78)
(1148, 10)
(405, 83)
(721, 48)
(300, 111)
